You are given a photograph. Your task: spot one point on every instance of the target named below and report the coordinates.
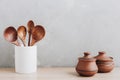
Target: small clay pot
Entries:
(105, 64)
(86, 65)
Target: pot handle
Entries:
(86, 55)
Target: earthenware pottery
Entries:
(105, 63)
(86, 65)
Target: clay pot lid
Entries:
(87, 57)
(103, 57)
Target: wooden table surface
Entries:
(56, 74)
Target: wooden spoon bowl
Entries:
(38, 33)
(30, 26)
(10, 34)
(22, 34)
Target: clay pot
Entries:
(105, 64)
(86, 65)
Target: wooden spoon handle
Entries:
(16, 43)
(33, 42)
(29, 39)
(23, 41)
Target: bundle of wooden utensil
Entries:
(35, 34)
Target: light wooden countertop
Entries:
(56, 74)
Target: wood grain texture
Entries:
(56, 74)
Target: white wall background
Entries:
(72, 27)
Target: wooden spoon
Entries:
(22, 34)
(30, 26)
(10, 34)
(38, 33)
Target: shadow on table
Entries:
(73, 74)
(76, 74)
